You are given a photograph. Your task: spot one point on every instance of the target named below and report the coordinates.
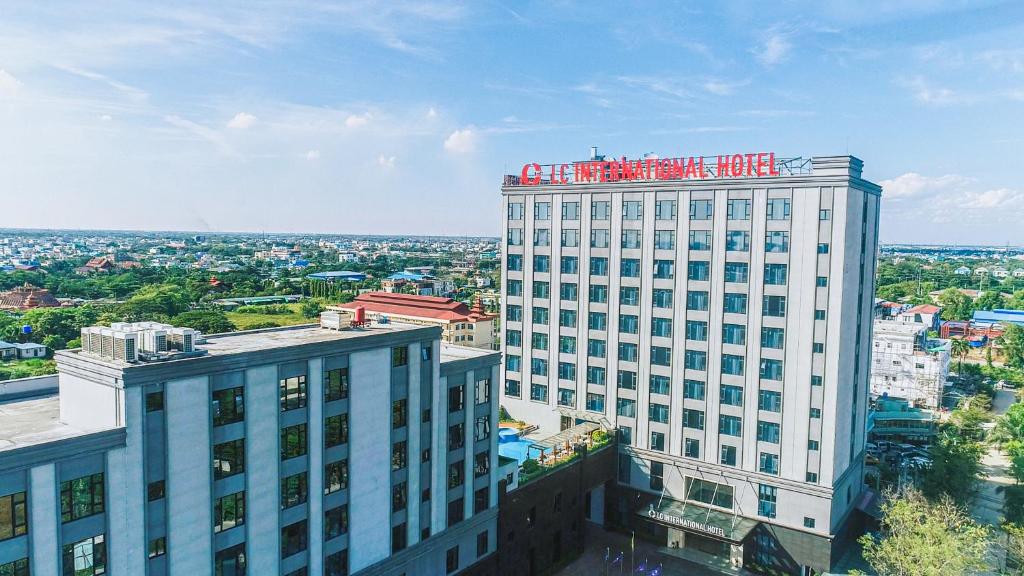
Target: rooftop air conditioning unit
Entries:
(154, 341)
(125, 346)
(181, 339)
(335, 320)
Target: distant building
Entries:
(8, 351)
(962, 271)
(983, 317)
(1019, 272)
(1000, 273)
(906, 364)
(927, 314)
(459, 323)
(106, 264)
(896, 419)
(982, 271)
(27, 297)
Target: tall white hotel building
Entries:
(723, 325)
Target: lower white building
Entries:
(907, 364)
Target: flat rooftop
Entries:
(452, 352)
(32, 421)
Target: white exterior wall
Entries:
(44, 515)
(189, 475)
(262, 462)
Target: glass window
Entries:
(630, 268)
(228, 458)
(732, 364)
(399, 455)
(596, 348)
(539, 315)
(730, 425)
(538, 392)
(700, 240)
(664, 239)
(570, 265)
(566, 319)
(538, 367)
(657, 475)
(600, 210)
(570, 237)
(513, 388)
(541, 263)
(566, 371)
(542, 237)
(595, 402)
(515, 287)
(293, 392)
(774, 306)
(514, 338)
(661, 356)
(294, 538)
(821, 281)
(293, 441)
(515, 236)
(815, 380)
(658, 413)
(515, 262)
(696, 360)
(228, 406)
(735, 303)
(773, 338)
(768, 432)
(776, 241)
(154, 403)
(629, 296)
(515, 210)
(697, 300)
(627, 379)
(769, 401)
(229, 511)
(81, 497)
(542, 210)
(708, 492)
(661, 327)
(625, 407)
(693, 389)
(451, 560)
(698, 270)
(514, 312)
(775, 274)
(728, 455)
(824, 214)
(822, 248)
(599, 238)
(570, 210)
(815, 412)
(335, 430)
(596, 375)
(566, 397)
(819, 314)
(768, 463)
(14, 516)
(701, 209)
(399, 413)
(629, 324)
(737, 241)
(665, 210)
(631, 239)
(693, 419)
(659, 384)
(597, 321)
(336, 522)
(736, 271)
(599, 266)
(766, 498)
(738, 209)
(628, 352)
(541, 289)
(599, 293)
(336, 384)
(778, 209)
(771, 369)
(567, 344)
(335, 476)
(734, 334)
(664, 269)
(632, 210)
(662, 298)
(696, 330)
(691, 447)
(568, 291)
(86, 557)
(513, 362)
(732, 395)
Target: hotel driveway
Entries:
(592, 563)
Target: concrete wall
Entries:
(189, 474)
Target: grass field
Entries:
(247, 321)
(26, 368)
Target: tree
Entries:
(960, 347)
(1013, 345)
(956, 461)
(165, 299)
(955, 305)
(1010, 426)
(1015, 546)
(922, 538)
(206, 321)
(312, 308)
(990, 300)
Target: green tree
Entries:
(1015, 547)
(990, 300)
(923, 538)
(956, 461)
(206, 321)
(1013, 345)
(955, 305)
(960, 348)
(163, 299)
(1010, 426)
(311, 308)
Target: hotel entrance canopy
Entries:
(700, 520)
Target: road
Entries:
(987, 506)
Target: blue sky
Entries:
(401, 117)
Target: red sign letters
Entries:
(755, 165)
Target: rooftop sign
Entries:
(755, 165)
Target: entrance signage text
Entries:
(685, 522)
(756, 165)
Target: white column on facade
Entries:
(44, 512)
(315, 476)
(262, 464)
(413, 425)
(189, 469)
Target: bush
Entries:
(530, 466)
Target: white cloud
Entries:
(913, 184)
(461, 141)
(242, 120)
(722, 88)
(912, 199)
(106, 117)
(357, 120)
(431, 113)
(9, 85)
(386, 161)
(925, 93)
(775, 48)
(313, 155)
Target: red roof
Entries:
(923, 309)
(435, 307)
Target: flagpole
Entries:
(632, 553)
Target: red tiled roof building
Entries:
(460, 324)
(27, 297)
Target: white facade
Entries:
(722, 325)
(907, 364)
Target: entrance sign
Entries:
(756, 165)
(685, 522)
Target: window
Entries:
(539, 341)
(778, 209)
(664, 269)
(773, 338)
(294, 490)
(768, 463)
(154, 402)
(451, 560)
(662, 298)
(665, 210)
(81, 497)
(700, 209)
(730, 425)
(657, 475)
(631, 239)
(399, 413)
(661, 327)
(230, 561)
(542, 210)
(819, 347)
(483, 390)
(86, 557)
(595, 402)
(570, 210)
(13, 516)
(698, 270)
(481, 464)
(568, 291)
(658, 441)
(693, 419)
(811, 477)
(775, 306)
(154, 491)
(734, 334)
(481, 428)
(732, 364)
(569, 265)
(708, 492)
(823, 248)
(598, 266)
(596, 348)
(399, 356)
(630, 268)
(696, 330)
(629, 324)
(335, 476)
(732, 395)
(775, 274)
(819, 314)
(627, 379)
(399, 496)
(771, 369)
(813, 445)
(632, 210)
(228, 406)
(727, 456)
(335, 430)
(481, 499)
(228, 458)
(157, 547)
(658, 413)
(456, 474)
(293, 392)
(15, 568)
(481, 544)
(293, 441)
(514, 313)
(664, 240)
(399, 455)
(769, 401)
(766, 496)
(659, 384)
(693, 389)
(768, 432)
(566, 397)
(456, 398)
(567, 344)
(514, 338)
(599, 293)
(629, 296)
(541, 263)
(736, 272)
(815, 380)
(696, 360)
(514, 262)
(513, 362)
(809, 522)
(542, 237)
(628, 352)
(515, 236)
(229, 511)
(661, 356)
(824, 214)
(776, 241)
(697, 300)
(596, 375)
(625, 407)
(600, 210)
(515, 210)
(815, 412)
(456, 436)
(336, 522)
(700, 240)
(541, 289)
(822, 281)
(294, 539)
(599, 238)
(691, 447)
(512, 388)
(737, 241)
(336, 564)
(626, 435)
(336, 384)
(738, 209)
(735, 303)
(597, 321)
(538, 392)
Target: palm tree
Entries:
(960, 347)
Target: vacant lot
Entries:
(246, 319)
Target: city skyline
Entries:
(265, 117)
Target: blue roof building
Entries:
(340, 275)
(997, 316)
